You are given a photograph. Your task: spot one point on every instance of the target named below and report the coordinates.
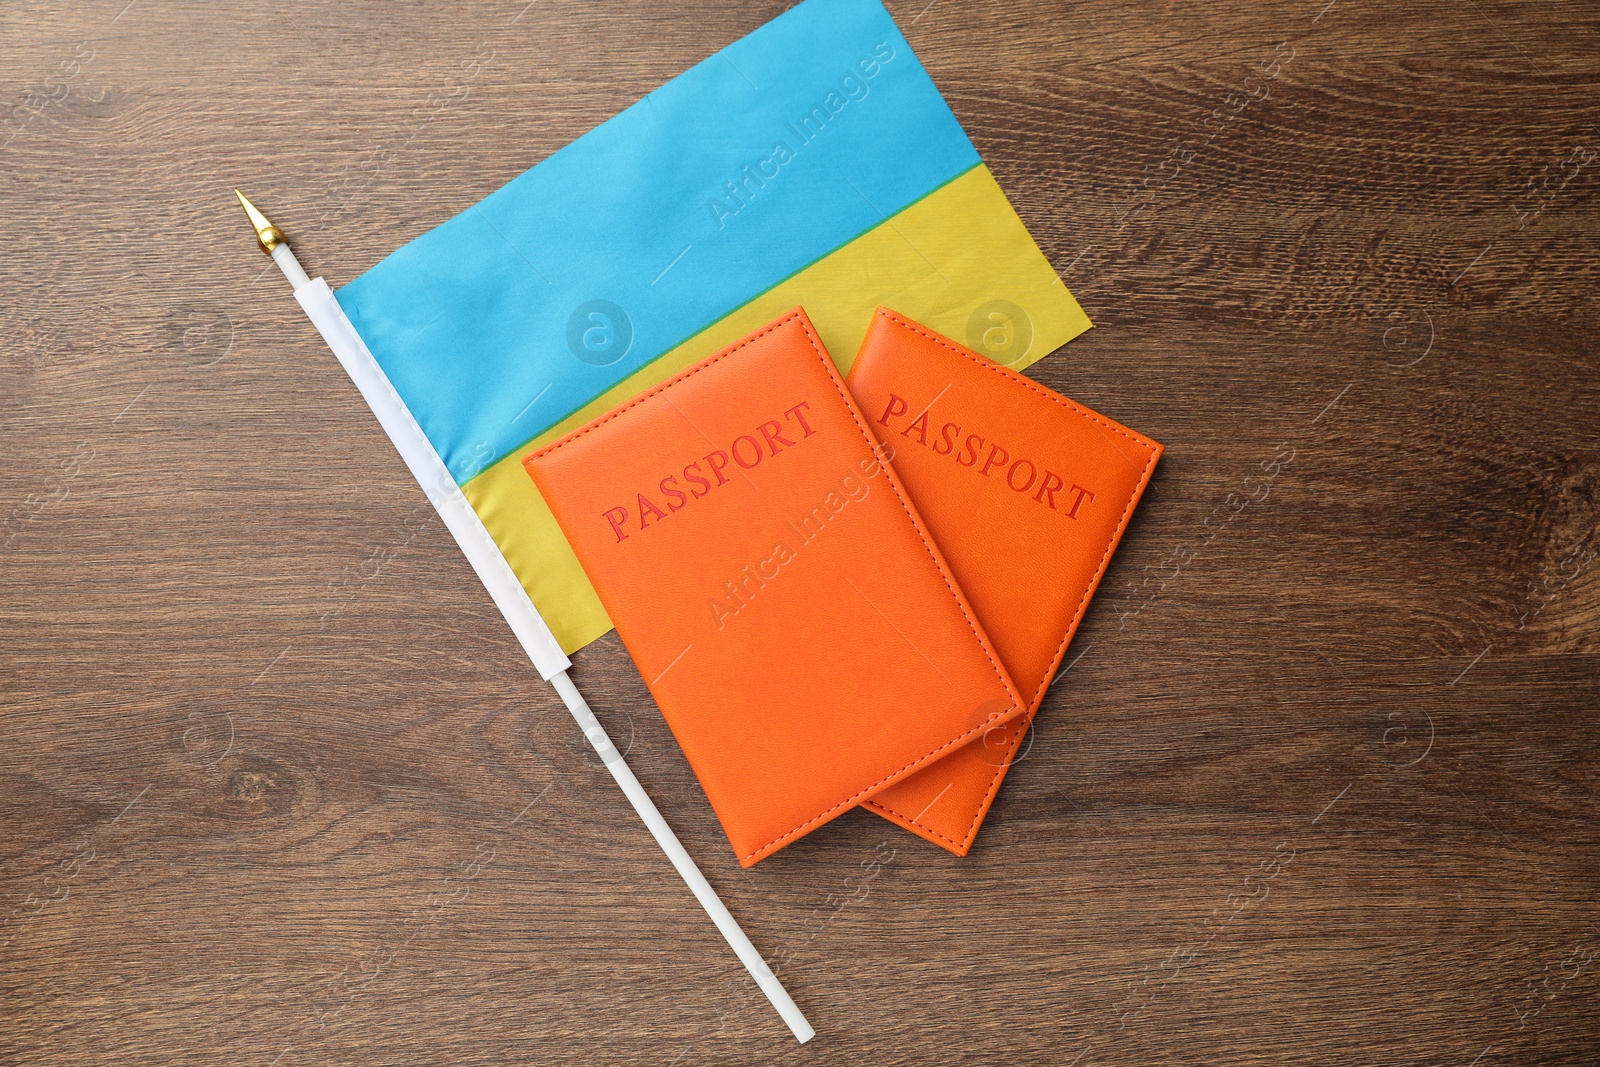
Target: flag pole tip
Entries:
(268, 236)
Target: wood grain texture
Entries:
(277, 787)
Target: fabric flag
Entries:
(810, 163)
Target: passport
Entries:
(1028, 494)
(773, 582)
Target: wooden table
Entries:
(277, 787)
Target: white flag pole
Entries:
(529, 626)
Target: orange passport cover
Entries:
(1027, 494)
(772, 581)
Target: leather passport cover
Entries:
(1027, 495)
(772, 581)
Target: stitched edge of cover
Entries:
(797, 315)
(1026, 719)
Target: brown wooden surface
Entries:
(1320, 790)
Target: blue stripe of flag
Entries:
(719, 185)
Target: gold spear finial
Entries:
(268, 236)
